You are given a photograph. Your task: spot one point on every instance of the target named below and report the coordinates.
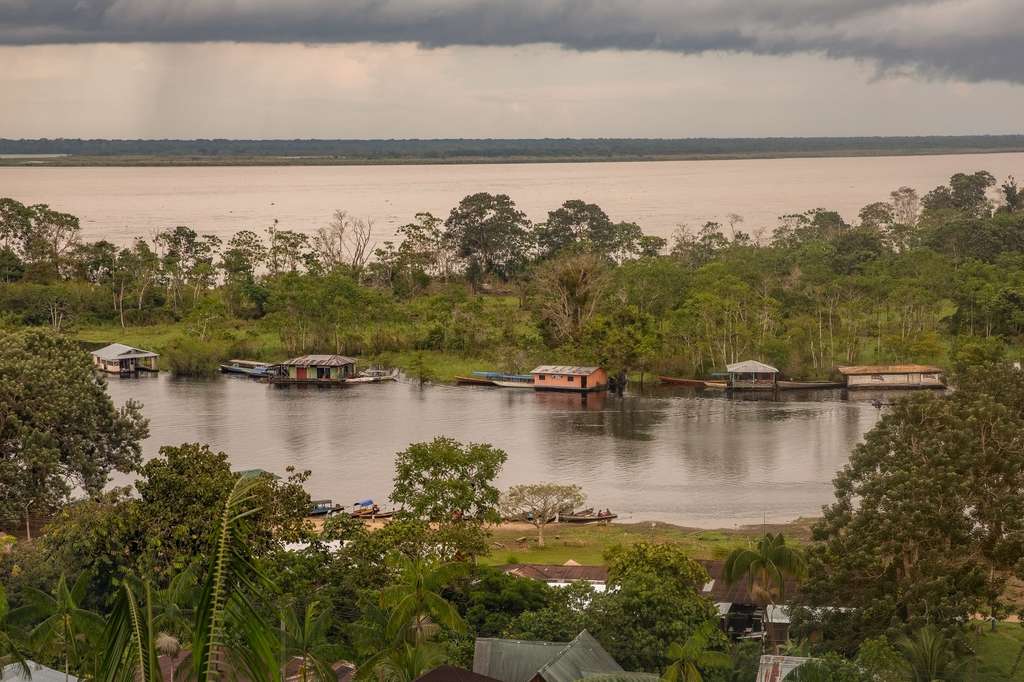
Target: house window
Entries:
(323, 372)
(877, 377)
(571, 378)
(540, 377)
(930, 377)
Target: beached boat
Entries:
(587, 518)
(790, 385)
(323, 508)
(250, 368)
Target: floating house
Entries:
(118, 358)
(569, 378)
(751, 375)
(313, 369)
(893, 376)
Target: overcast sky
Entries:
(509, 68)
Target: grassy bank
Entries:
(586, 544)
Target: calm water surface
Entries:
(121, 203)
(669, 455)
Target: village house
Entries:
(751, 375)
(313, 369)
(893, 376)
(569, 378)
(511, 660)
(118, 358)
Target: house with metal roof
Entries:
(313, 369)
(449, 673)
(751, 375)
(510, 660)
(117, 358)
(569, 378)
(893, 376)
(37, 671)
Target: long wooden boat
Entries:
(473, 381)
(516, 383)
(370, 514)
(590, 518)
(789, 385)
(717, 385)
(676, 381)
(250, 368)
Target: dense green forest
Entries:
(469, 150)
(937, 278)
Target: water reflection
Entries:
(698, 458)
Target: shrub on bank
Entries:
(188, 356)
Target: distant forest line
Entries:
(222, 151)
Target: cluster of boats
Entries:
(265, 370)
(723, 384)
(497, 379)
(364, 509)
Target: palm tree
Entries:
(766, 566)
(689, 658)
(408, 662)
(10, 653)
(928, 656)
(62, 627)
(225, 604)
(304, 635)
(414, 602)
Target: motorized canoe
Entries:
(515, 383)
(250, 368)
(590, 518)
(789, 385)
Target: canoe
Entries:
(369, 514)
(696, 383)
(512, 384)
(593, 518)
(247, 367)
(717, 385)
(808, 384)
(474, 381)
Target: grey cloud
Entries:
(970, 40)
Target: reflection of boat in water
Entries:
(789, 385)
(250, 368)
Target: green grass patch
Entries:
(997, 652)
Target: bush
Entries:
(190, 357)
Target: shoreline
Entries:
(243, 161)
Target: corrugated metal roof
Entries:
(565, 369)
(568, 573)
(583, 656)
(449, 673)
(512, 660)
(750, 366)
(40, 673)
(624, 676)
(889, 369)
(319, 361)
(119, 351)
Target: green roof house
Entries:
(510, 660)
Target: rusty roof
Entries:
(319, 361)
(565, 369)
(716, 588)
(889, 369)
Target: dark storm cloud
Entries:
(963, 39)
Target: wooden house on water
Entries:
(569, 378)
(893, 376)
(118, 358)
(751, 375)
(313, 369)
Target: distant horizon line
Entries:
(606, 138)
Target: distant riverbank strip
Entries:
(77, 152)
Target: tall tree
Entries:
(491, 234)
(695, 657)
(766, 566)
(59, 428)
(445, 480)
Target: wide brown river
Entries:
(121, 203)
(669, 454)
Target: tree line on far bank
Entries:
(912, 279)
(925, 533)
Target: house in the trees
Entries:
(511, 660)
(313, 369)
(751, 375)
(893, 376)
(117, 358)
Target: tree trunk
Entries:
(540, 534)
